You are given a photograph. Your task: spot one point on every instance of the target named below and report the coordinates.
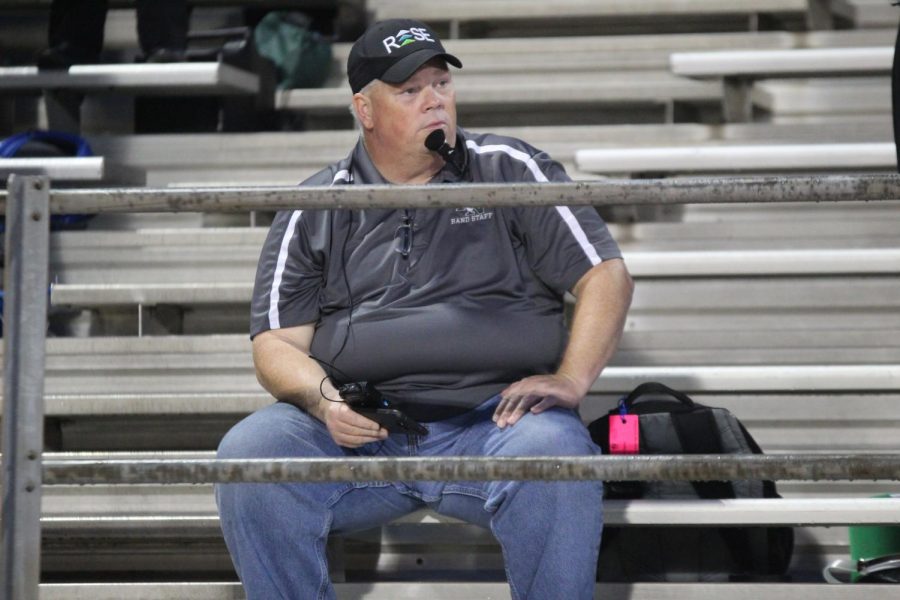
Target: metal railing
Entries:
(29, 201)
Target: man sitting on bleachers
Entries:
(455, 316)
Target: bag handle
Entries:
(841, 570)
(654, 387)
(10, 146)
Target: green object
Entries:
(874, 555)
(302, 57)
(873, 541)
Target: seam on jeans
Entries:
(337, 495)
(466, 491)
(512, 587)
(361, 485)
(321, 555)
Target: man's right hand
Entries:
(347, 427)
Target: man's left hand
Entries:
(536, 394)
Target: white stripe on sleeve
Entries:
(564, 211)
(575, 227)
(516, 154)
(274, 293)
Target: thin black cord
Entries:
(347, 284)
(330, 365)
(322, 391)
(324, 379)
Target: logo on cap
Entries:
(405, 37)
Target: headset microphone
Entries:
(437, 142)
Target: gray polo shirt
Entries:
(476, 303)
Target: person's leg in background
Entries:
(74, 33)
(162, 29)
(276, 533)
(549, 531)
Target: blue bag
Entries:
(48, 143)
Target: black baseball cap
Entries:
(392, 50)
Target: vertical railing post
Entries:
(24, 331)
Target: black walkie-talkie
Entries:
(364, 399)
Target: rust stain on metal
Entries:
(609, 468)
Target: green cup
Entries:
(873, 541)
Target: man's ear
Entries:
(362, 104)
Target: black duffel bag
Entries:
(669, 422)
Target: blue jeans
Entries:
(549, 532)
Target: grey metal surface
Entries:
(800, 62)
(730, 159)
(470, 591)
(146, 78)
(813, 467)
(769, 290)
(275, 158)
(700, 190)
(87, 168)
(455, 10)
(494, 91)
(732, 263)
(817, 512)
(24, 320)
(197, 499)
(823, 98)
(169, 380)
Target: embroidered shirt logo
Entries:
(405, 37)
(471, 215)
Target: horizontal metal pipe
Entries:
(607, 192)
(812, 467)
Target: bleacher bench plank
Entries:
(88, 168)
(738, 158)
(472, 10)
(803, 62)
(526, 89)
(620, 53)
(289, 157)
(751, 512)
(738, 70)
(820, 100)
(147, 78)
(73, 169)
(237, 272)
(865, 13)
(104, 500)
(625, 52)
(468, 591)
(231, 372)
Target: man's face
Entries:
(404, 114)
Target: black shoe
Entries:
(165, 55)
(64, 56)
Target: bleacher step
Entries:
(154, 78)
(468, 591)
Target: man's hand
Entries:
(536, 394)
(603, 295)
(347, 427)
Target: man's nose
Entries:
(432, 99)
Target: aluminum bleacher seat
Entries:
(738, 70)
(174, 529)
(732, 158)
(822, 100)
(459, 591)
(592, 77)
(500, 17)
(286, 158)
(865, 13)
